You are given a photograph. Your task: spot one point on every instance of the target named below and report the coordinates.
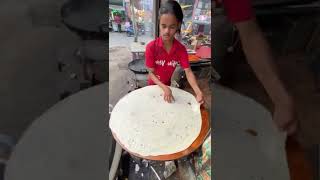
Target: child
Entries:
(165, 52)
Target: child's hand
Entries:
(285, 117)
(200, 98)
(168, 94)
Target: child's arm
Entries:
(184, 62)
(167, 91)
(193, 83)
(259, 56)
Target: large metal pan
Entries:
(195, 145)
(86, 17)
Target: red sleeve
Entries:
(149, 55)
(184, 60)
(238, 10)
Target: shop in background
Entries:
(114, 11)
(139, 17)
(196, 29)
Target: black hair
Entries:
(174, 8)
(170, 7)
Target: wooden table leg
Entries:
(299, 167)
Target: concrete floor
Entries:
(120, 77)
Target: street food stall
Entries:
(71, 140)
(235, 119)
(198, 45)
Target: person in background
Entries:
(117, 20)
(127, 24)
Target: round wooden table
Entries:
(70, 141)
(195, 145)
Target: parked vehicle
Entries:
(130, 31)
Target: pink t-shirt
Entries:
(117, 19)
(164, 63)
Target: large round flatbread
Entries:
(147, 125)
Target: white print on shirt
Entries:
(172, 63)
(160, 62)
